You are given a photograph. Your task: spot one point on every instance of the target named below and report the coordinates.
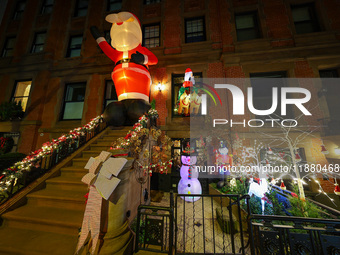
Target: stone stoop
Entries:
(49, 223)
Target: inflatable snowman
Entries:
(189, 184)
(130, 75)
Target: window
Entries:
(114, 5)
(8, 48)
(110, 93)
(305, 19)
(194, 30)
(38, 43)
(47, 6)
(74, 101)
(147, 2)
(330, 73)
(22, 93)
(74, 46)
(331, 90)
(81, 8)
(177, 82)
(151, 36)
(19, 10)
(247, 26)
(263, 92)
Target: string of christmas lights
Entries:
(16, 171)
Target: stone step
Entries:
(99, 147)
(112, 137)
(88, 154)
(49, 219)
(119, 132)
(20, 241)
(80, 162)
(66, 199)
(104, 142)
(66, 183)
(73, 171)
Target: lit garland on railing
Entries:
(137, 131)
(163, 166)
(133, 142)
(32, 160)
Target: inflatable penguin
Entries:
(130, 75)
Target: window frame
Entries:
(5, 48)
(256, 28)
(34, 44)
(314, 21)
(335, 72)
(109, 2)
(263, 75)
(15, 88)
(77, 9)
(69, 49)
(159, 34)
(17, 11)
(105, 95)
(46, 6)
(186, 28)
(65, 102)
(146, 2)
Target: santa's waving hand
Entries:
(130, 75)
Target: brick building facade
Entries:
(234, 39)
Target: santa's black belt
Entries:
(122, 61)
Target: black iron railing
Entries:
(154, 230)
(294, 235)
(45, 163)
(214, 224)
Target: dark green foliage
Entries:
(6, 144)
(301, 208)
(9, 159)
(277, 207)
(241, 188)
(10, 111)
(153, 104)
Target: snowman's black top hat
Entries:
(189, 148)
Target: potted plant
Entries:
(11, 111)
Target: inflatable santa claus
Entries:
(130, 75)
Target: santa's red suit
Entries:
(132, 81)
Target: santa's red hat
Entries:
(282, 186)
